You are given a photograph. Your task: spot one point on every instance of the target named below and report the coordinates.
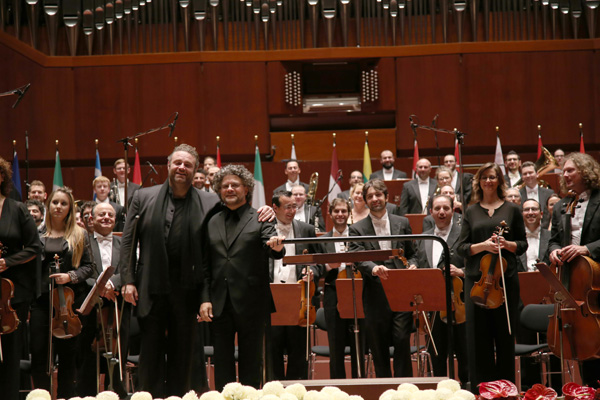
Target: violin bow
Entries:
(500, 232)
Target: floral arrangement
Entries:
(448, 389)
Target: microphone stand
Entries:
(146, 177)
(27, 161)
(20, 91)
(459, 136)
(128, 139)
(319, 202)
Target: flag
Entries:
(293, 155)
(334, 185)
(16, 175)
(367, 171)
(58, 180)
(499, 158)
(258, 194)
(97, 169)
(415, 159)
(581, 146)
(539, 153)
(137, 169)
(218, 155)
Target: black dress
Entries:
(19, 246)
(66, 349)
(487, 329)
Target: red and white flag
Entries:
(415, 159)
(334, 185)
(539, 153)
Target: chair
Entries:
(320, 350)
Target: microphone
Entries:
(152, 182)
(172, 125)
(434, 122)
(340, 175)
(412, 123)
(21, 94)
(152, 167)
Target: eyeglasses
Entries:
(491, 178)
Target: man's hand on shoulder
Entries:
(266, 213)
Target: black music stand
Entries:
(405, 291)
(534, 287)
(345, 298)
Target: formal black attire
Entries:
(66, 349)
(543, 253)
(439, 328)
(86, 383)
(543, 196)
(291, 340)
(590, 238)
(284, 188)
(131, 189)
(168, 277)
(489, 327)
(344, 195)
(507, 178)
(383, 326)
(19, 247)
(311, 213)
(410, 199)
(340, 331)
(236, 282)
(397, 174)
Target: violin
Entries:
(344, 273)
(9, 321)
(458, 305)
(487, 292)
(307, 310)
(65, 324)
(574, 332)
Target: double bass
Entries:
(574, 332)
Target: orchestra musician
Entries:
(581, 174)
(19, 247)
(70, 242)
(487, 329)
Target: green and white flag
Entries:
(258, 195)
(58, 181)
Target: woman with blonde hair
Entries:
(69, 241)
(359, 207)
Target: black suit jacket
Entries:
(425, 249)
(590, 235)
(282, 187)
(507, 179)
(397, 174)
(238, 268)
(141, 271)
(543, 195)
(131, 189)
(410, 199)
(312, 212)
(467, 183)
(344, 195)
(543, 253)
(97, 257)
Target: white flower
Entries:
(39, 393)
(314, 395)
(387, 395)
(287, 396)
(212, 395)
(89, 398)
(233, 391)
(443, 393)
(409, 387)
(173, 398)
(141, 396)
(269, 397)
(72, 398)
(450, 384)
(464, 394)
(355, 397)
(401, 395)
(455, 397)
(107, 395)
(297, 389)
(330, 389)
(273, 387)
(191, 395)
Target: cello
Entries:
(574, 332)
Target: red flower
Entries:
(501, 389)
(540, 392)
(573, 391)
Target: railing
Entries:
(154, 26)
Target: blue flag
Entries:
(16, 175)
(97, 169)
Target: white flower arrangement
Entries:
(212, 395)
(234, 391)
(107, 395)
(39, 394)
(141, 396)
(191, 395)
(270, 397)
(355, 397)
(464, 394)
(251, 393)
(297, 389)
(409, 387)
(449, 384)
(443, 393)
(273, 387)
(173, 398)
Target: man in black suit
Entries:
(430, 255)
(307, 213)
(580, 174)
(383, 327)
(467, 179)
(513, 165)
(292, 171)
(121, 171)
(415, 193)
(236, 296)
(538, 238)
(101, 186)
(532, 190)
(106, 252)
(355, 177)
(388, 172)
(165, 220)
(339, 331)
(290, 338)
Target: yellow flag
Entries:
(367, 171)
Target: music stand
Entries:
(405, 291)
(533, 287)
(286, 297)
(344, 298)
(416, 222)
(88, 303)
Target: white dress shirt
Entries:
(289, 184)
(437, 248)
(105, 246)
(424, 191)
(300, 214)
(382, 228)
(285, 273)
(533, 249)
(388, 176)
(533, 193)
(578, 217)
(121, 187)
(340, 247)
(513, 178)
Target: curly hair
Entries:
(188, 149)
(587, 167)
(238, 170)
(6, 172)
(478, 192)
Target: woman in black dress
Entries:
(19, 246)
(487, 329)
(69, 241)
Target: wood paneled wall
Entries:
(234, 99)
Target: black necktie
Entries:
(231, 221)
